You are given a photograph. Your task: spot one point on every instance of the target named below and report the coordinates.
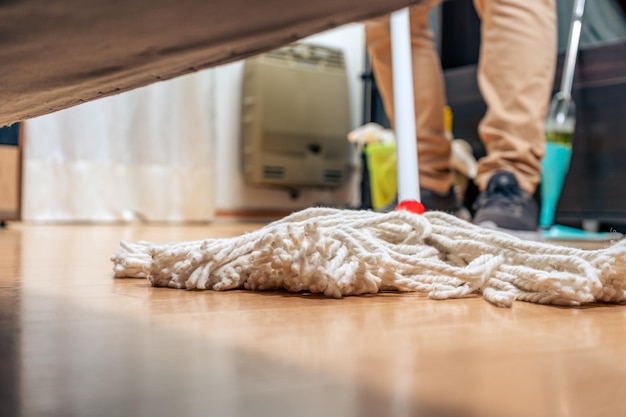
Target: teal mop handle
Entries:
(560, 125)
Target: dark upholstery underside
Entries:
(60, 53)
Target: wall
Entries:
(232, 194)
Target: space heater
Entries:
(295, 118)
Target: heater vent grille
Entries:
(273, 172)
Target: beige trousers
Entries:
(515, 77)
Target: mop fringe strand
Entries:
(342, 252)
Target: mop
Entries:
(560, 125)
(338, 252)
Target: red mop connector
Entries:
(412, 206)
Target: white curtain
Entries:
(145, 154)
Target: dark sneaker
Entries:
(448, 202)
(433, 200)
(506, 205)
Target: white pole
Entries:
(402, 71)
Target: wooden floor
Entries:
(75, 342)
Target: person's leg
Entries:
(433, 146)
(515, 75)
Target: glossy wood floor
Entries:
(75, 342)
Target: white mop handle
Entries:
(402, 70)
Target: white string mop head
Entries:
(345, 252)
